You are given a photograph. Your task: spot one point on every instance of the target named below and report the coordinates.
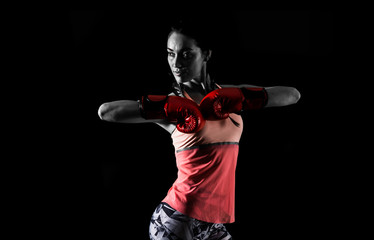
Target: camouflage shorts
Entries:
(169, 224)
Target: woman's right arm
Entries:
(127, 111)
(123, 111)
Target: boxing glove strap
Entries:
(153, 106)
(255, 98)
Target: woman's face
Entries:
(185, 58)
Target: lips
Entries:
(179, 72)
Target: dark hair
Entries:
(200, 31)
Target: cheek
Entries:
(196, 67)
(170, 63)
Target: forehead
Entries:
(178, 42)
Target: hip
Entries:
(168, 222)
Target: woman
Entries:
(202, 118)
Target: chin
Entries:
(182, 79)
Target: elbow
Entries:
(103, 112)
(282, 96)
(295, 95)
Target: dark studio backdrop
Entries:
(108, 178)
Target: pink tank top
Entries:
(206, 161)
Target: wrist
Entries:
(254, 98)
(153, 106)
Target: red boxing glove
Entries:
(184, 112)
(219, 103)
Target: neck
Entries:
(192, 83)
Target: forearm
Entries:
(123, 111)
(282, 96)
(278, 96)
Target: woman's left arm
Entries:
(278, 96)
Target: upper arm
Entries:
(238, 86)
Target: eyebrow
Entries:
(182, 50)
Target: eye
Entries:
(187, 55)
(171, 54)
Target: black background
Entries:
(105, 179)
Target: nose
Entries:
(177, 62)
